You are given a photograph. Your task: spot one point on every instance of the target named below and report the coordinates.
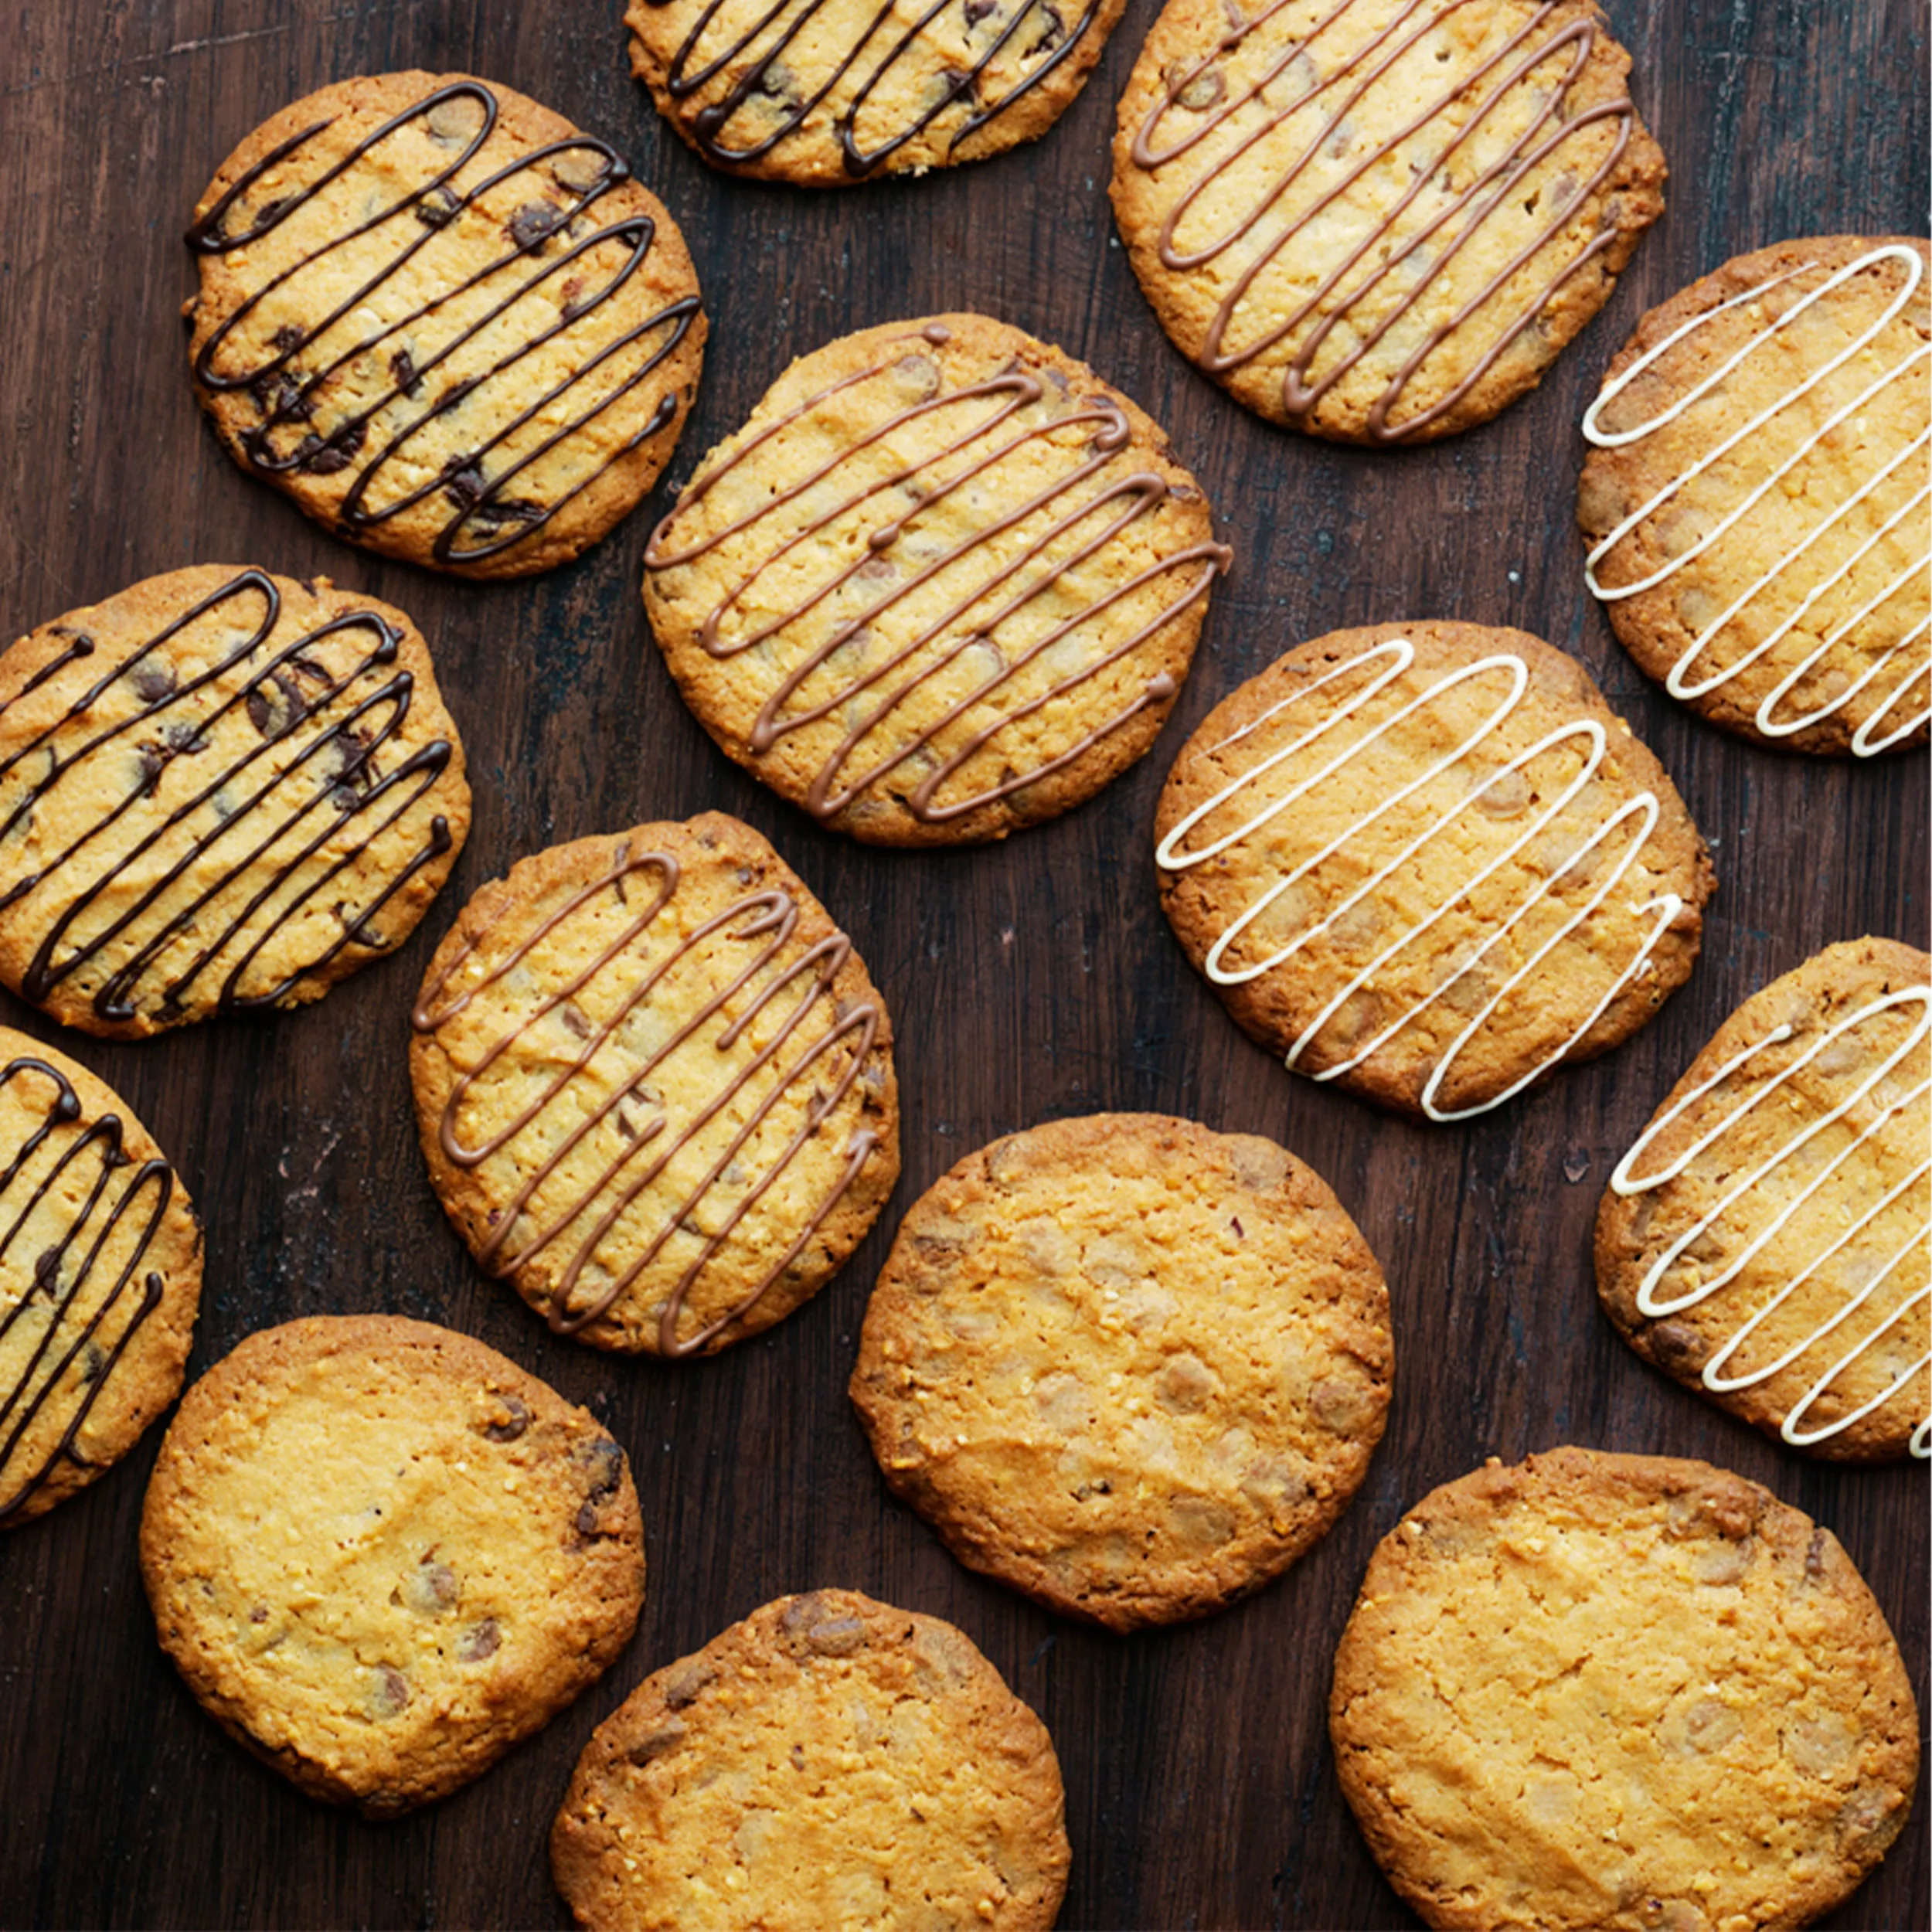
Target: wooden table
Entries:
(1028, 980)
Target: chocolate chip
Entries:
(516, 1420)
(275, 704)
(338, 453)
(259, 1614)
(659, 1739)
(94, 1361)
(389, 1695)
(438, 208)
(480, 1641)
(465, 483)
(46, 1269)
(977, 10)
(152, 682)
(1814, 1554)
(186, 739)
(439, 1586)
(150, 762)
(572, 1017)
(502, 510)
(456, 121)
(1201, 92)
(686, 1682)
(584, 170)
(287, 337)
(534, 223)
(401, 365)
(836, 1637)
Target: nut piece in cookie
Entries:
(1755, 499)
(654, 1085)
(943, 584)
(1427, 861)
(1380, 221)
(1766, 1239)
(219, 791)
(830, 1761)
(446, 322)
(1127, 1364)
(1612, 1693)
(101, 1259)
(379, 1553)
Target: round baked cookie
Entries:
(829, 1761)
(100, 1278)
(444, 320)
(1379, 221)
(654, 1086)
(380, 1554)
(1766, 1241)
(1755, 500)
(944, 583)
(1130, 1366)
(1625, 1693)
(220, 789)
(1426, 861)
(826, 93)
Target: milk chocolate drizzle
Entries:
(974, 618)
(286, 698)
(1280, 91)
(936, 83)
(313, 424)
(821, 1070)
(89, 1163)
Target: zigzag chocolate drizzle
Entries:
(425, 346)
(245, 809)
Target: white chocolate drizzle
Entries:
(1635, 817)
(1891, 1116)
(1698, 670)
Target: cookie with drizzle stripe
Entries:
(1379, 221)
(1759, 493)
(1768, 1239)
(448, 323)
(944, 583)
(100, 1264)
(654, 1085)
(828, 93)
(220, 789)
(1427, 861)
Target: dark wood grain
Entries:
(1028, 981)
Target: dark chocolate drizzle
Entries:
(305, 429)
(818, 1076)
(336, 724)
(750, 58)
(1493, 187)
(1120, 500)
(90, 1162)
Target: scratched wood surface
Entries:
(1026, 981)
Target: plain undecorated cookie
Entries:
(1380, 221)
(1624, 1693)
(1764, 1240)
(654, 1084)
(379, 1553)
(100, 1258)
(1128, 1364)
(445, 321)
(840, 91)
(831, 1761)
(220, 789)
(944, 583)
(1427, 861)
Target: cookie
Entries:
(944, 583)
(219, 791)
(379, 1553)
(444, 320)
(830, 1761)
(1379, 221)
(1755, 498)
(1766, 1239)
(654, 1086)
(824, 96)
(1427, 861)
(100, 1278)
(1130, 1366)
(1627, 1693)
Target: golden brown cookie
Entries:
(444, 320)
(218, 790)
(826, 93)
(1128, 1364)
(1379, 221)
(1768, 1239)
(829, 1762)
(100, 1278)
(380, 1553)
(1428, 862)
(654, 1084)
(1756, 498)
(1624, 1693)
(944, 583)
